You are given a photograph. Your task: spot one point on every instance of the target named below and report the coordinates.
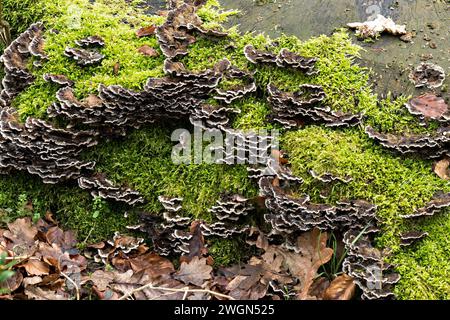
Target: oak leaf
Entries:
(195, 272)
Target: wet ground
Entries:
(390, 58)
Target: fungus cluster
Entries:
(290, 214)
(285, 59)
(365, 264)
(429, 106)
(83, 57)
(305, 105)
(39, 148)
(428, 145)
(180, 27)
(179, 95)
(15, 59)
(427, 75)
(101, 187)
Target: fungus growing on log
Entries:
(231, 207)
(305, 105)
(237, 91)
(429, 106)
(42, 149)
(366, 265)
(411, 237)
(15, 58)
(329, 177)
(59, 79)
(428, 145)
(91, 41)
(167, 232)
(439, 202)
(427, 75)
(179, 96)
(83, 57)
(285, 59)
(178, 31)
(101, 187)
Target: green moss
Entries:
(73, 208)
(142, 160)
(397, 185)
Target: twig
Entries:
(77, 290)
(185, 290)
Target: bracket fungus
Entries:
(15, 59)
(411, 237)
(366, 265)
(329, 177)
(305, 105)
(285, 59)
(58, 79)
(177, 96)
(427, 75)
(39, 148)
(178, 31)
(428, 145)
(439, 202)
(429, 106)
(101, 187)
(83, 57)
(231, 207)
(91, 41)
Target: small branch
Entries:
(77, 290)
(174, 290)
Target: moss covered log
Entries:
(141, 160)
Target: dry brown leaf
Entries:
(441, 168)
(313, 254)
(148, 51)
(153, 264)
(196, 244)
(36, 267)
(341, 288)
(116, 68)
(195, 272)
(38, 293)
(146, 31)
(13, 282)
(64, 239)
(21, 232)
(101, 279)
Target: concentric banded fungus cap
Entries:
(285, 59)
(411, 237)
(429, 106)
(231, 207)
(101, 187)
(439, 202)
(91, 41)
(58, 79)
(329, 177)
(15, 59)
(305, 105)
(427, 75)
(427, 145)
(83, 57)
(366, 265)
(42, 149)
